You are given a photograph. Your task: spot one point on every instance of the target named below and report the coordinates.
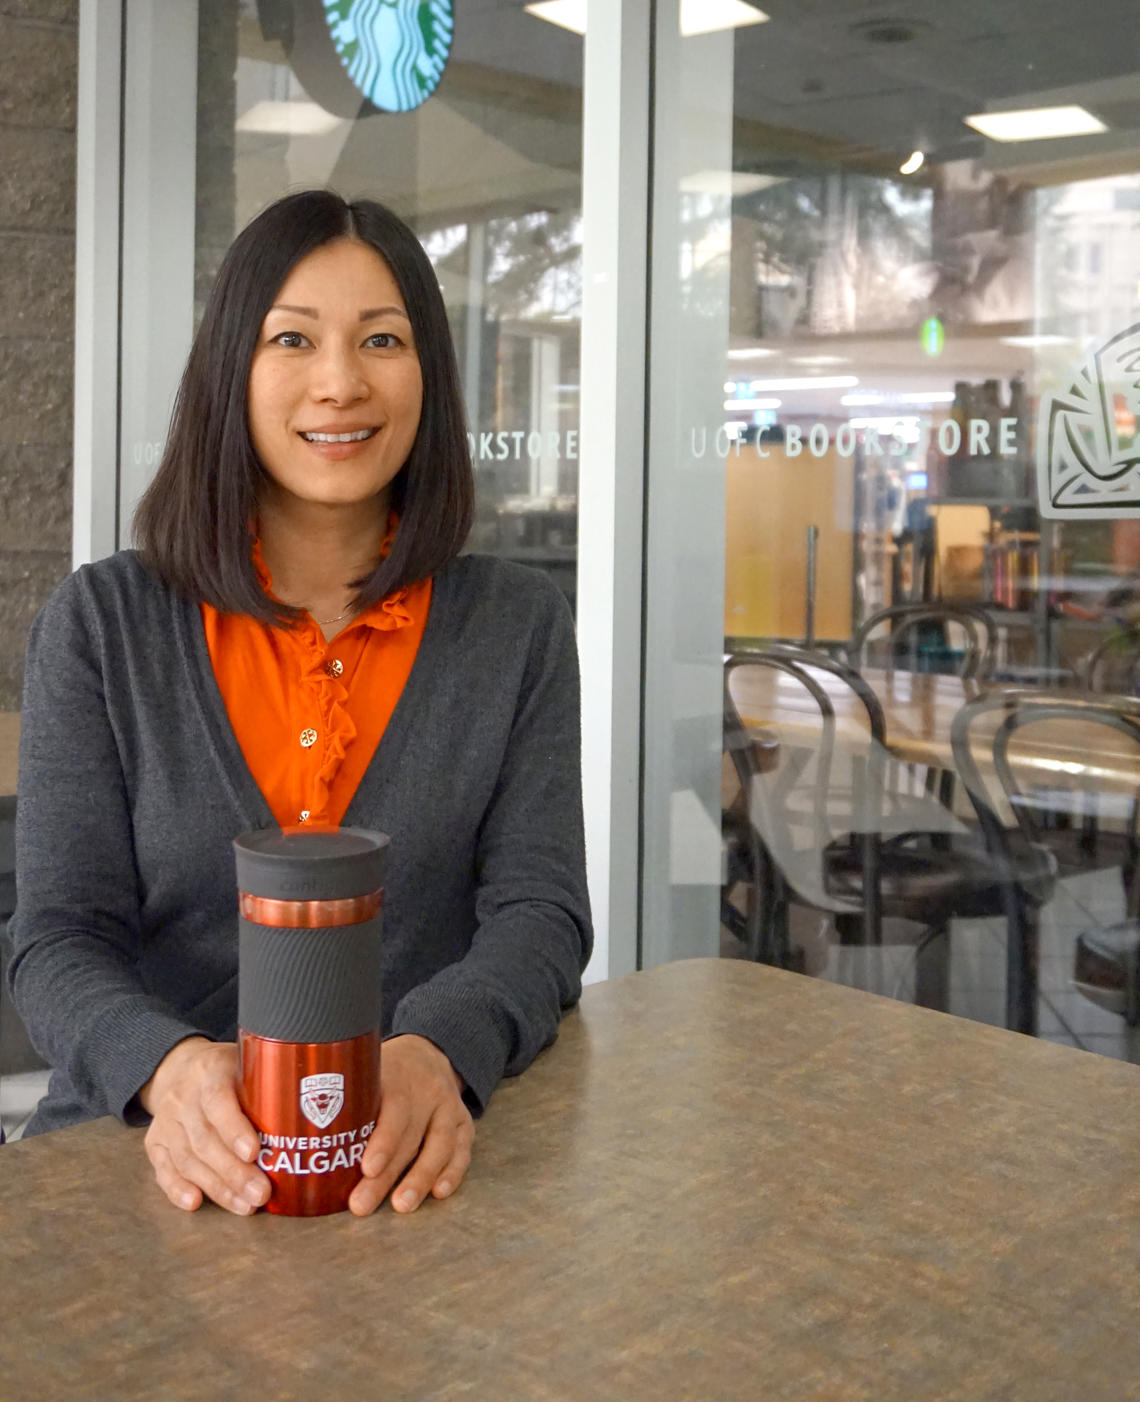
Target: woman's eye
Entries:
(292, 340)
(383, 340)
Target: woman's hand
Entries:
(199, 1141)
(423, 1122)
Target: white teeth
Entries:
(358, 437)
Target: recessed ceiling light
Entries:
(869, 397)
(819, 360)
(751, 353)
(704, 16)
(807, 382)
(287, 119)
(570, 14)
(1035, 123)
(912, 163)
(1045, 339)
(697, 16)
(727, 182)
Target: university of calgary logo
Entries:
(1088, 447)
(322, 1097)
(394, 51)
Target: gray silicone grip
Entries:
(298, 985)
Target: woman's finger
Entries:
(391, 1130)
(455, 1170)
(190, 1170)
(437, 1152)
(239, 1180)
(369, 1193)
(181, 1192)
(197, 1156)
(222, 1108)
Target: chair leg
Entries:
(1021, 967)
(932, 969)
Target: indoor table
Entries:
(724, 1181)
(918, 708)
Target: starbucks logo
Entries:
(394, 51)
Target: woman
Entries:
(298, 639)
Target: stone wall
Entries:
(38, 88)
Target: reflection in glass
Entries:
(486, 167)
(928, 396)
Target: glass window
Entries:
(899, 477)
(471, 131)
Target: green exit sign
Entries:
(932, 336)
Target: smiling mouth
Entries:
(358, 437)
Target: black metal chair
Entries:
(905, 624)
(1114, 664)
(1034, 789)
(16, 1051)
(880, 861)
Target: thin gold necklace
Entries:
(324, 622)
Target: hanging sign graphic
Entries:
(393, 51)
(1088, 450)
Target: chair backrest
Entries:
(810, 763)
(904, 623)
(7, 857)
(1083, 760)
(1114, 664)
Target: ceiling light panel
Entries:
(705, 16)
(569, 14)
(697, 16)
(287, 119)
(1035, 123)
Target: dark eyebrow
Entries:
(370, 315)
(373, 312)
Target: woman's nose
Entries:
(337, 376)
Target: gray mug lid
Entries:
(301, 864)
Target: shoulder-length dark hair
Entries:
(193, 523)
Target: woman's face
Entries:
(335, 389)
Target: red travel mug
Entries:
(309, 1007)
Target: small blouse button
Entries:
(308, 739)
(304, 815)
(334, 668)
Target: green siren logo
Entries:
(394, 51)
(1088, 444)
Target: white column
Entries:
(615, 189)
(97, 280)
(685, 522)
(160, 103)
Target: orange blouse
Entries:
(308, 714)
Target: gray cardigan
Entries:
(132, 787)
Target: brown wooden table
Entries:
(918, 708)
(723, 1182)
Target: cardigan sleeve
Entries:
(76, 930)
(498, 1007)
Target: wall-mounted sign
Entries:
(1088, 450)
(358, 57)
(394, 51)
